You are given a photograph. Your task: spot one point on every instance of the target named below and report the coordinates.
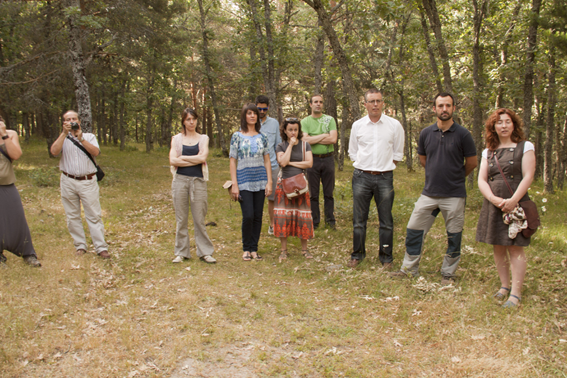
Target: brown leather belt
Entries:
(87, 177)
(375, 172)
(323, 155)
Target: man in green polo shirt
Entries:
(320, 131)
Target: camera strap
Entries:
(80, 146)
(5, 154)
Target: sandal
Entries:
(306, 254)
(499, 296)
(246, 256)
(257, 257)
(283, 255)
(510, 304)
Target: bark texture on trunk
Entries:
(431, 10)
(479, 14)
(550, 125)
(529, 67)
(504, 57)
(209, 75)
(78, 67)
(339, 54)
(430, 51)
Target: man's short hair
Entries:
(443, 94)
(371, 91)
(315, 95)
(262, 100)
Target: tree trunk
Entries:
(504, 57)
(209, 76)
(266, 61)
(26, 126)
(550, 125)
(541, 107)
(562, 156)
(431, 53)
(529, 67)
(479, 14)
(114, 120)
(122, 116)
(340, 55)
(102, 117)
(149, 106)
(78, 67)
(431, 10)
(318, 60)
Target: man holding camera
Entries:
(79, 184)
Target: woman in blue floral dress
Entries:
(251, 175)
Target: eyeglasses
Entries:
(292, 120)
(375, 102)
(262, 109)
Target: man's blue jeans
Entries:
(381, 187)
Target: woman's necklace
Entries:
(191, 139)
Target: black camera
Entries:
(74, 126)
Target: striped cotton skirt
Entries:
(292, 217)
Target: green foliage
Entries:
(44, 177)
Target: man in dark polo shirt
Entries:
(447, 151)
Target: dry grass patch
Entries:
(139, 315)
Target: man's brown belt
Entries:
(375, 172)
(87, 177)
(323, 155)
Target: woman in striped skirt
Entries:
(292, 216)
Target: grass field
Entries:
(139, 315)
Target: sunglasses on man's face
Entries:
(262, 109)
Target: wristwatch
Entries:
(82, 139)
(5, 137)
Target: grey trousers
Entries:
(422, 218)
(190, 191)
(86, 192)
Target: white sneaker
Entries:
(270, 230)
(177, 259)
(209, 259)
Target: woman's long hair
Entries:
(490, 135)
(290, 121)
(243, 123)
(184, 116)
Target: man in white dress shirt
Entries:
(79, 184)
(376, 145)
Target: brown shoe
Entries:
(81, 252)
(388, 266)
(446, 281)
(399, 275)
(104, 254)
(353, 263)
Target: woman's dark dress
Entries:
(491, 228)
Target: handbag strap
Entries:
(82, 149)
(6, 154)
(502, 173)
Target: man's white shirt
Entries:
(73, 160)
(373, 146)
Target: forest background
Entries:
(131, 66)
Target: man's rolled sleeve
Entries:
(399, 143)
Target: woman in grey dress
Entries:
(14, 231)
(505, 141)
